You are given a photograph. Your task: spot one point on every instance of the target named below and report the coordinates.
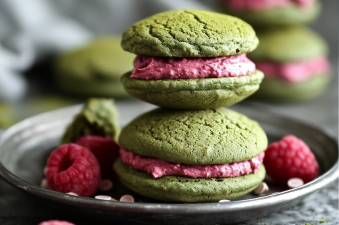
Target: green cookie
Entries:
(278, 90)
(206, 93)
(189, 33)
(6, 115)
(284, 44)
(186, 189)
(215, 136)
(289, 15)
(98, 117)
(94, 69)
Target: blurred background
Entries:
(51, 52)
(56, 53)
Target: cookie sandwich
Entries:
(94, 69)
(191, 59)
(273, 12)
(192, 155)
(294, 61)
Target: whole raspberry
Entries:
(104, 149)
(288, 158)
(56, 222)
(73, 168)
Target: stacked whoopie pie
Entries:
(294, 61)
(292, 57)
(191, 63)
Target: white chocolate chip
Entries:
(224, 200)
(103, 197)
(127, 198)
(105, 185)
(44, 184)
(262, 187)
(45, 170)
(72, 193)
(294, 182)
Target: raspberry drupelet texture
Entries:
(104, 149)
(289, 158)
(56, 222)
(73, 168)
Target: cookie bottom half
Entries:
(292, 15)
(187, 189)
(204, 93)
(278, 90)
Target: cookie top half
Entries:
(290, 43)
(189, 33)
(216, 136)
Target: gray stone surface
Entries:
(320, 206)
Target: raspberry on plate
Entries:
(289, 158)
(104, 149)
(73, 168)
(56, 222)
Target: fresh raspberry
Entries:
(105, 150)
(73, 168)
(56, 222)
(288, 158)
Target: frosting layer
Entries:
(160, 68)
(295, 72)
(258, 5)
(159, 167)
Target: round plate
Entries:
(25, 147)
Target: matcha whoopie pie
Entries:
(191, 59)
(294, 62)
(94, 69)
(192, 155)
(273, 12)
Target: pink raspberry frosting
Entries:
(259, 5)
(296, 72)
(159, 167)
(160, 68)
(56, 222)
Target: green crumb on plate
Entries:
(98, 117)
(6, 118)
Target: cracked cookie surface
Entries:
(215, 136)
(189, 33)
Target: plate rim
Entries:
(166, 208)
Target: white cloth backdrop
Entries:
(30, 29)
